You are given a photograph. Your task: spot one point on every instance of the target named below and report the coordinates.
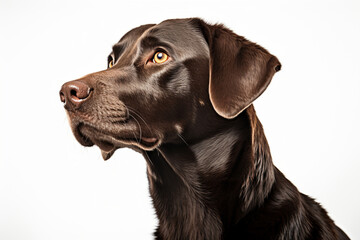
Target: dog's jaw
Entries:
(138, 147)
(88, 135)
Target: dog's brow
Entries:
(109, 58)
(118, 49)
(152, 42)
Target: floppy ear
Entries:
(240, 70)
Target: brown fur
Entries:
(210, 170)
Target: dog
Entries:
(181, 93)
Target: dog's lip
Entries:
(149, 139)
(108, 143)
(81, 138)
(104, 145)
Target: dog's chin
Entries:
(108, 143)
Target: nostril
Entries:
(79, 92)
(62, 97)
(74, 94)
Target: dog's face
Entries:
(165, 83)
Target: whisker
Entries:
(139, 116)
(137, 140)
(140, 132)
(149, 158)
(182, 138)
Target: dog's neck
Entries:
(215, 180)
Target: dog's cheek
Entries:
(172, 115)
(175, 81)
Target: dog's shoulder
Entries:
(287, 214)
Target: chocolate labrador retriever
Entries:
(181, 93)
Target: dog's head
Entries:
(165, 83)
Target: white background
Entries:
(53, 188)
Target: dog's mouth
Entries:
(108, 143)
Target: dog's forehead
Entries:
(180, 34)
(183, 37)
(135, 33)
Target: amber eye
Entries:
(160, 57)
(111, 63)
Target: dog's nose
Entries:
(75, 92)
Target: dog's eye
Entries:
(160, 57)
(111, 63)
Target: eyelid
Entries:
(160, 49)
